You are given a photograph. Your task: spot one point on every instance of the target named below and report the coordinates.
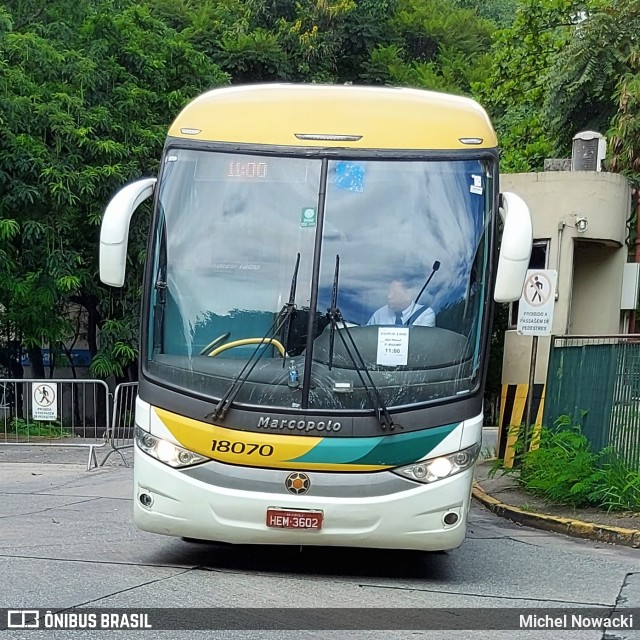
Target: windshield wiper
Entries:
(333, 310)
(283, 317)
(290, 305)
(335, 316)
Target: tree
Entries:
(624, 132)
(432, 45)
(283, 40)
(594, 82)
(515, 90)
(81, 116)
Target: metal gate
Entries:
(55, 412)
(595, 380)
(120, 434)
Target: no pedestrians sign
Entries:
(535, 309)
(44, 397)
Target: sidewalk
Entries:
(503, 496)
(64, 452)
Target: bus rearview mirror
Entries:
(515, 248)
(114, 232)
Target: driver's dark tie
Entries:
(399, 317)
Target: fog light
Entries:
(420, 471)
(148, 440)
(145, 500)
(451, 518)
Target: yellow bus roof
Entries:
(377, 117)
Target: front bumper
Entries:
(411, 516)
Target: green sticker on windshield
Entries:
(308, 217)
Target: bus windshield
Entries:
(239, 237)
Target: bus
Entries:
(277, 403)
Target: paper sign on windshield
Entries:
(393, 346)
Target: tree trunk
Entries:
(93, 322)
(37, 362)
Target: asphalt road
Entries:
(66, 540)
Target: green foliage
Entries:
(87, 92)
(428, 43)
(37, 429)
(620, 487)
(434, 45)
(497, 467)
(258, 40)
(583, 80)
(562, 66)
(564, 469)
(624, 132)
(117, 352)
(501, 12)
(8, 229)
(515, 90)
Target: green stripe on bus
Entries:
(391, 450)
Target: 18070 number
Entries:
(241, 448)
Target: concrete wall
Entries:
(589, 264)
(597, 276)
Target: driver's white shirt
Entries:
(384, 315)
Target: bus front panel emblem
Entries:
(297, 483)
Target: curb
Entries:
(568, 526)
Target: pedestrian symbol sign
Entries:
(535, 309)
(44, 404)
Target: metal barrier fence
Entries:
(120, 435)
(596, 381)
(56, 412)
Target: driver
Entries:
(401, 308)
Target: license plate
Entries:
(294, 519)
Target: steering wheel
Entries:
(239, 343)
(214, 342)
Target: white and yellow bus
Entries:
(275, 405)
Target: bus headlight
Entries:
(166, 451)
(428, 471)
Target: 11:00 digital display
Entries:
(257, 170)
